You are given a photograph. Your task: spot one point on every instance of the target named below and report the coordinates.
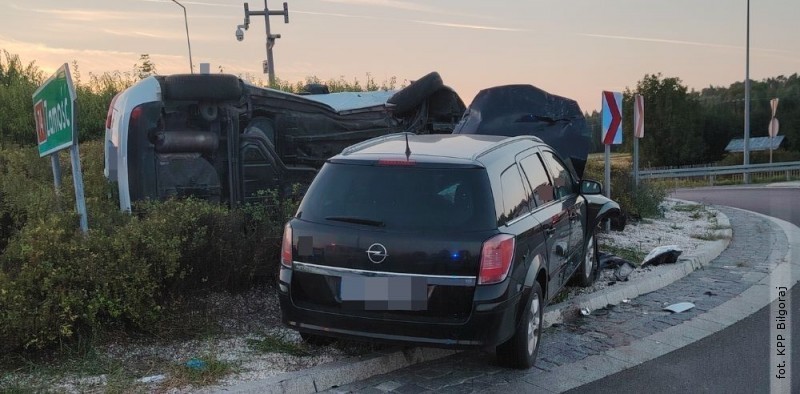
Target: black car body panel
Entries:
(403, 220)
(515, 110)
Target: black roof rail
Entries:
(372, 141)
(505, 142)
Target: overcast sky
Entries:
(573, 48)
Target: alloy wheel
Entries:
(533, 323)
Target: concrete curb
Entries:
(664, 276)
(337, 373)
(342, 372)
(783, 269)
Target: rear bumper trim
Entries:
(387, 337)
(444, 280)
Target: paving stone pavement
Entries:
(742, 264)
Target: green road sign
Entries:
(54, 110)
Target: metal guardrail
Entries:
(721, 170)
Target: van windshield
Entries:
(401, 198)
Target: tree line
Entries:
(682, 126)
(685, 126)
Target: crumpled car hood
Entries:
(514, 110)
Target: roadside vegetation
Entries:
(145, 274)
(140, 275)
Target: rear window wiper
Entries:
(356, 220)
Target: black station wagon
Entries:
(439, 240)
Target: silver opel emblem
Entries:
(377, 253)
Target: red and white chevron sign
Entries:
(612, 118)
(638, 116)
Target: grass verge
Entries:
(197, 372)
(272, 343)
(635, 256)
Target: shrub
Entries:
(637, 202)
(130, 271)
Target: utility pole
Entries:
(189, 43)
(746, 175)
(269, 66)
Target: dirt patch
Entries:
(247, 339)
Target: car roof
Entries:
(433, 148)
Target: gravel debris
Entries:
(252, 316)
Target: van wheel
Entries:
(202, 87)
(414, 94)
(587, 272)
(520, 351)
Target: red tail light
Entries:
(136, 113)
(110, 114)
(496, 257)
(286, 247)
(401, 163)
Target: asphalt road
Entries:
(736, 359)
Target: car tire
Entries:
(316, 340)
(520, 351)
(414, 94)
(202, 87)
(587, 271)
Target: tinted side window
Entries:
(515, 199)
(562, 180)
(533, 168)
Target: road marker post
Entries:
(611, 133)
(638, 132)
(774, 125)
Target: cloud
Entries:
(132, 33)
(465, 26)
(394, 4)
(679, 42)
(48, 58)
(83, 15)
(339, 15)
(203, 3)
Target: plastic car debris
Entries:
(608, 260)
(622, 272)
(152, 379)
(196, 364)
(662, 255)
(679, 307)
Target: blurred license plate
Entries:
(385, 293)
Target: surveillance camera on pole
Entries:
(240, 32)
(270, 69)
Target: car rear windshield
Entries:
(401, 198)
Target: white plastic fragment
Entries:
(152, 379)
(667, 254)
(679, 307)
(586, 311)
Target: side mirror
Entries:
(591, 187)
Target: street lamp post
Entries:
(746, 176)
(189, 43)
(270, 66)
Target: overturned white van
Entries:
(218, 138)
